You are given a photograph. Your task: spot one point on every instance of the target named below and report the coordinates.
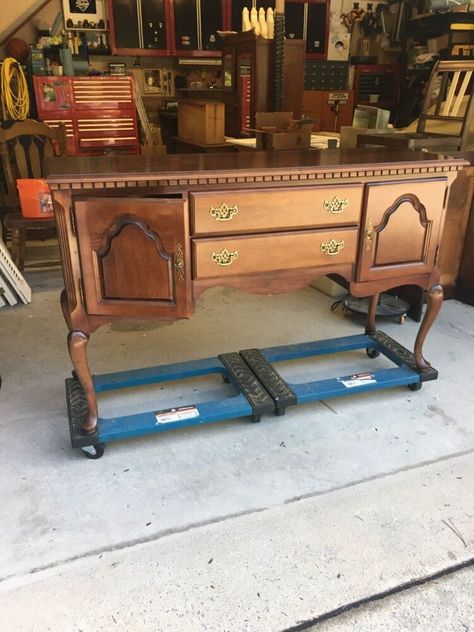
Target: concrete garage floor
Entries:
(287, 524)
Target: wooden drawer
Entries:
(264, 253)
(239, 211)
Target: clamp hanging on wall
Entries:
(279, 55)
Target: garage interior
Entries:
(186, 183)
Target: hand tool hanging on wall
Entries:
(279, 55)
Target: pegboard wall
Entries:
(325, 75)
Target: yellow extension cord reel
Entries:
(14, 91)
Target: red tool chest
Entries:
(99, 112)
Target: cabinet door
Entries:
(211, 22)
(401, 228)
(185, 25)
(153, 24)
(125, 19)
(316, 33)
(134, 256)
(294, 20)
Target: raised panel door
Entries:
(134, 256)
(401, 228)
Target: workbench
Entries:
(143, 238)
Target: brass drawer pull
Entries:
(336, 205)
(179, 262)
(224, 257)
(332, 247)
(223, 213)
(369, 235)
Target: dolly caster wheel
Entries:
(256, 419)
(94, 451)
(225, 378)
(416, 386)
(372, 352)
(279, 412)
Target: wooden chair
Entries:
(446, 117)
(23, 149)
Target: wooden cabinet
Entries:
(134, 255)
(372, 217)
(401, 228)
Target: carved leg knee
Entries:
(435, 300)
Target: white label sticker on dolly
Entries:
(359, 379)
(176, 414)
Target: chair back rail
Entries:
(23, 149)
(456, 84)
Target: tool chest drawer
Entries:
(241, 211)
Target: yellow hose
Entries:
(14, 90)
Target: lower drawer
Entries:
(264, 253)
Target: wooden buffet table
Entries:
(144, 239)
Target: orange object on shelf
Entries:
(35, 198)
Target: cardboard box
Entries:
(201, 122)
(278, 130)
(370, 117)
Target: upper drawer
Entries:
(259, 210)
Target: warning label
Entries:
(176, 414)
(358, 379)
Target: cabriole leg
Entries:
(77, 345)
(370, 328)
(65, 309)
(435, 300)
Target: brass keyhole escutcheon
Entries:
(369, 235)
(179, 262)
